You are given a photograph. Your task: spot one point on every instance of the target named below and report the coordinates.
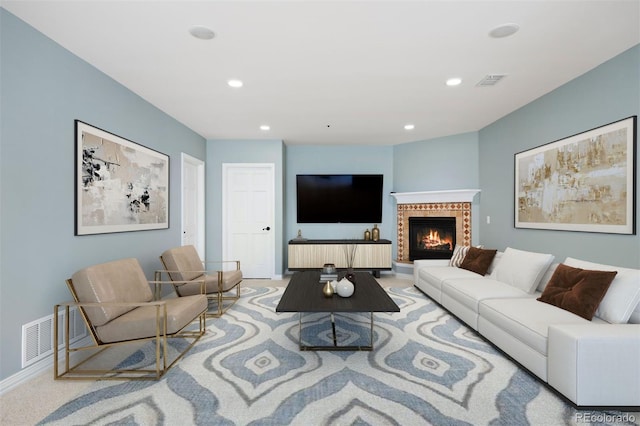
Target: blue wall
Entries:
(44, 89)
(437, 164)
(606, 94)
(342, 159)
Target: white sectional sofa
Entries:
(592, 363)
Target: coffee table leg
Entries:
(300, 331)
(371, 337)
(333, 327)
(335, 346)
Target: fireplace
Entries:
(431, 237)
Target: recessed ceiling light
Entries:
(504, 30)
(454, 81)
(409, 126)
(235, 83)
(202, 32)
(265, 127)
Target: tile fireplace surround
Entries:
(455, 203)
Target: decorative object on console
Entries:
(327, 290)
(581, 183)
(120, 185)
(367, 235)
(375, 233)
(299, 237)
(576, 290)
(478, 260)
(345, 288)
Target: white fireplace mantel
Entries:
(451, 196)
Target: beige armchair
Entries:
(118, 307)
(184, 266)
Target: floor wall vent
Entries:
(37, 336)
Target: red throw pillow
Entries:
(576, 290)
(478, 260)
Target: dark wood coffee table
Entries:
(304, 295)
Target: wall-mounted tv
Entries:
(339, 198)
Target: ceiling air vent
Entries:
(490, 80)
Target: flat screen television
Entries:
(339, 198)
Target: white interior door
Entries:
(248, 217)
(193, 203)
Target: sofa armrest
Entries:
(595, 364)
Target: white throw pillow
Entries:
(635, 315)
(522, 269)
(547, 277)
(494, 263)
(623, 294)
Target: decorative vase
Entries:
(350, 275)
(375, 233)
(345, 288)
(327, 290)
(367, 235)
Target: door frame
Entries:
(200, 197)
(226, 167)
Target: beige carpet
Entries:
(31, 402)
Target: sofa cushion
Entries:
(577, 290)
(522, 269)
(547, 277)
(623, 294)
(117, 281)
(184, 259)
(436, 275)
(635, 315)
(527, 319)
(470, 292)
(495, 262)
(141, 322)
(229, 280)
(478, 260)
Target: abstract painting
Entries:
(120, 185)
(581, 183)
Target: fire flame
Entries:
(433, 240)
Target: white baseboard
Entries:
(34, 370)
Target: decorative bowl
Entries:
(329, 268)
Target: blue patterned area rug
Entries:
(426, 368)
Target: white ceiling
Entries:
(337, 72)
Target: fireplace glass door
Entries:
(431, 237)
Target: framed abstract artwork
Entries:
(585, 182)
(120, 186)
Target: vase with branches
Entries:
(350, 254)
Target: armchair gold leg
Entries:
(220, 299)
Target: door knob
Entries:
(266, 229)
